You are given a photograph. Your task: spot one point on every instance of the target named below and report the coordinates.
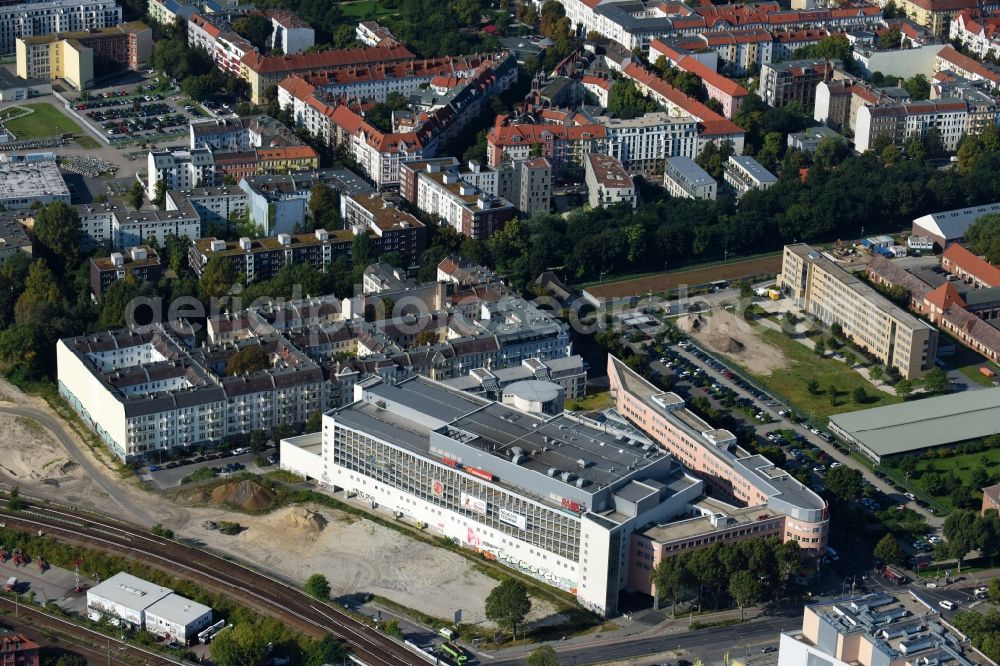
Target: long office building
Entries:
(833, 295)
(43, 18)
(731, 473)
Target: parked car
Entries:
(947, 605)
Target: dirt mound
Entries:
(733, 346)
(300, 520)
(247, 495)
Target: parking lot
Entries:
(136, 113)
(171, 474)
(53, 584)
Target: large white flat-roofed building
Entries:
(556, 497)
(144, 605)
(912, 427)
(42, 18)
(950, 226)
(835, 296)
(607, 182)
(682, 177)
(24, 183)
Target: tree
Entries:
(240, 645)
(323, 205)
(875, 372)
(745, 589)
(844, 483)
(989, 534)
(314, 423)
(256, 28)
(813, 387)
(543, 655)
(625, 101)
(888, 550)
(858, 395)
(327, 650)
(890, 39)
(318, 586)
(217, 278)
(915, 148)
(671, 578)
(247, 361)
(983, 237)
(820, 347)
(41, 300)
(904, 388)
(201, 87)
(361, 250)
(135, 195)
(918, 86)
(58, 230)
(889, 155)
(258, 442)
(508, 604)
(14, 502)
(936, 380)
(468, 11)
(960, 531)
(70, 660)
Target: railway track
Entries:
(256, 590)
(46, 629)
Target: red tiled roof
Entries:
(287, 153)
(973, 264)
(205, 25)
(950, 55)
(326, 59)
(944, 297)
(711, 77)
(712, 123)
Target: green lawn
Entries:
(792, 382)
(364, 9)
(968, 362)
(591, 402)
(961, 465)
(46, 121)
(87, 142)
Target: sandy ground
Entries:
(355, 555)
(734, 338)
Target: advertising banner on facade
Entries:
(511, 518)
(437, 487)
(473, 503)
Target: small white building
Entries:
(144, 605)
(607, 182)
(177, 618)
(682, 177)
(921, 243)
(743, 173)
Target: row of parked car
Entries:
(216, 455)
(114, 99)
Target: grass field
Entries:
(46, 121)
(803, 366)
(591, 402)
(730, 270)
(960, 466)
(87, 142)
(364, 9)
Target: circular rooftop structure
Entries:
(535, 395)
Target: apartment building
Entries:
(471, 211)
(898, 122)
(371, 33)
(14, 239)
(140, 263)
(397, 231)
(212, 33)
(682, 177)
(278, 202)
(740, 51)
(641, 144)
(874, 629)
(17, 650)
(262, 258)
(743, 173)
(70, 56)
(809, 140)
(979, 34)
(730, 474)
(379, 154)
(935, 15)
(166, 12)
(31, 19)
(712, 127)
(221, 205)
(179, 169)
(608, 183)
(725, 91)
(793, 81)
(263, 71)
(822, 289)
(950, 60)
(112, 224)
(289, 33)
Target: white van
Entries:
(832, 554)
(947, 605)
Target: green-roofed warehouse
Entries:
(914, 426)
